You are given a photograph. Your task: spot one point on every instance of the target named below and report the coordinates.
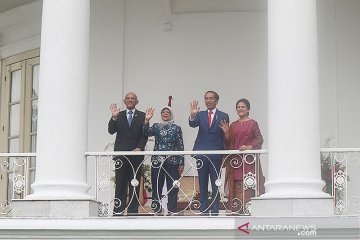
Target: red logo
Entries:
(244, 228)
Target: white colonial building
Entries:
(64, 62)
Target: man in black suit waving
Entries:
(128, 126)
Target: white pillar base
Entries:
(292, 207)
(294, 188)
(54, 208)
(292, 197)
(59, 190)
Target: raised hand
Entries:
(224, 126)
(115, 111)
(149, 114)
(226, 129)
(194, 109)
(246, 147)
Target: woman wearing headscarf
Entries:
(168, 137)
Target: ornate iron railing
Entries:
(340, 167)
(15, 174)
(187, 185)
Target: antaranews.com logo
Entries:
(298, 229)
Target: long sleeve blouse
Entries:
(168, 137)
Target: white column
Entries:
(293, 104)
(63, 101)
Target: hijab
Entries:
(171, 119)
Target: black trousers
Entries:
(127, 195)
(209, 167)
(160, 172)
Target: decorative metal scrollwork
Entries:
(187, 185)
(103, 209)
(5, 207)
(247, 208)
(103, 183)
(249, 181)
(199, 163)
(340, 179)
(134, 182)
(236, 162)
(236, 204)
(5, 166)
(340, 207)
(176, 184)
(19, 184)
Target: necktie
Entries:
(129, 118)
(209, 118)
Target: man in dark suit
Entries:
(128, 126)
(210, 137)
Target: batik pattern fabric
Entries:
(242, 133)
(168, 137)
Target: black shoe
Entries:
(118, 214)
(215, 214)
(204, 214)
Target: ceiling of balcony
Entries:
(205, 6)
(179, 6)
(6, 5)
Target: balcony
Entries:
(339, 168)
(187, 185)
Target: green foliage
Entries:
(146, 174)
(329, 168)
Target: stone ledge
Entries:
(292, 207)
(54, 208)
(335, 227)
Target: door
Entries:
(19, 98)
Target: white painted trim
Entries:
(335, 227)
(58, 190)
(20, 14)
(20, 46)
(171, 223)
(225, 152)
(324, 150)
(17, 154)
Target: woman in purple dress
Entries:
(243, 180)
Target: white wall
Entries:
(224, 52)
(348, 79)
(105, 68)
(327, 72)
(105, 74)
(348, 71)
(339, 61)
